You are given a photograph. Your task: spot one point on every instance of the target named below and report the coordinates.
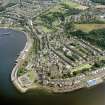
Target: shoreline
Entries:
(23, 54)
(28, 44)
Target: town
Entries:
(58, 56)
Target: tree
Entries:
(68, 27)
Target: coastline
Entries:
(28, 44)
(24, 53)
(17, 83)
(14, 79)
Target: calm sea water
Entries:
(10, 46)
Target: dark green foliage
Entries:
(79, 34)
(50, 17)
(70, 11)
(2, 9)
(99, 64)
(99, 1)
(95, 37)
(85, 70)
(96, 65)
(58, 15)
(21, 71)
(10, 5)
(68, 75)
(48, 20)
(77, 72)
(68, 27)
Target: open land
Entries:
(89, 27)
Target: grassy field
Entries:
(50, 20)
(45, 29)
(89, 27)
(81, 67)
(58, 8)
(74, 5)
(31, 75)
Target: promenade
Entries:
(23, 55)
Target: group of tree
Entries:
(99, 64)
(50, 17)
(95, 37)
(99, 1)
(70, 11)
(68, 27)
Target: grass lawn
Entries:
(101, 58)
(74, 5)
(82, 66)
(21, 71)
(31, 75)
(89, 27)
(45, 29)
(58, 8)
(55, 23)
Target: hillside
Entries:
(99, 1)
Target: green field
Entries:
(51, 20)
(89, 27)
(31, 75)
(81, 67)
(73, 4)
